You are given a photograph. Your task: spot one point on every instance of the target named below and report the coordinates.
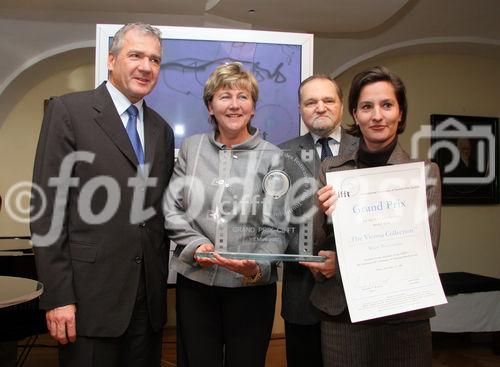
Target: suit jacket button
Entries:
(138, 259)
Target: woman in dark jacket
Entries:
(377, 103)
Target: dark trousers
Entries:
(365, 344)
(139, 346)
(303, 345)
(220, 326)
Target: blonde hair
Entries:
(231, 76)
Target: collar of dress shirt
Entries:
(335, 135)
(120, 101)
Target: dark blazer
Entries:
(298, 281)
(97, 266)
(328, 294)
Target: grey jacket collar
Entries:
(250, 143)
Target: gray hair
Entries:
(145, 29)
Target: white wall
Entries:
(19, 133)
(450, 84)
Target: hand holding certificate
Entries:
(383, 240)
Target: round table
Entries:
(14, 290)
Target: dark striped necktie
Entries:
(325, 148)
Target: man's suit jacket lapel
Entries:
(307, 143)
(151, 135)
(348, 145)
(108, 119)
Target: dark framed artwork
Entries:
(466, 150)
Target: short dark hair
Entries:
(323, 77)
(374, 75)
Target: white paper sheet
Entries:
(383, 240)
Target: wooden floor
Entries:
(449, 351)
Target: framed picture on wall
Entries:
(279, 61)
(466, 150)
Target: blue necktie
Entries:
(133, 134)
(325, 148)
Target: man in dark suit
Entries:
(103, 162)
(320, 101)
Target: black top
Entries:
(367, 158)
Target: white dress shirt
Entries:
(334, 143)
(122, 103)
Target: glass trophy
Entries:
(264, 205)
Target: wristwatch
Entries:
(253, 279)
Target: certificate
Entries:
(383, 240)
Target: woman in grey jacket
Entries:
(215, 202)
